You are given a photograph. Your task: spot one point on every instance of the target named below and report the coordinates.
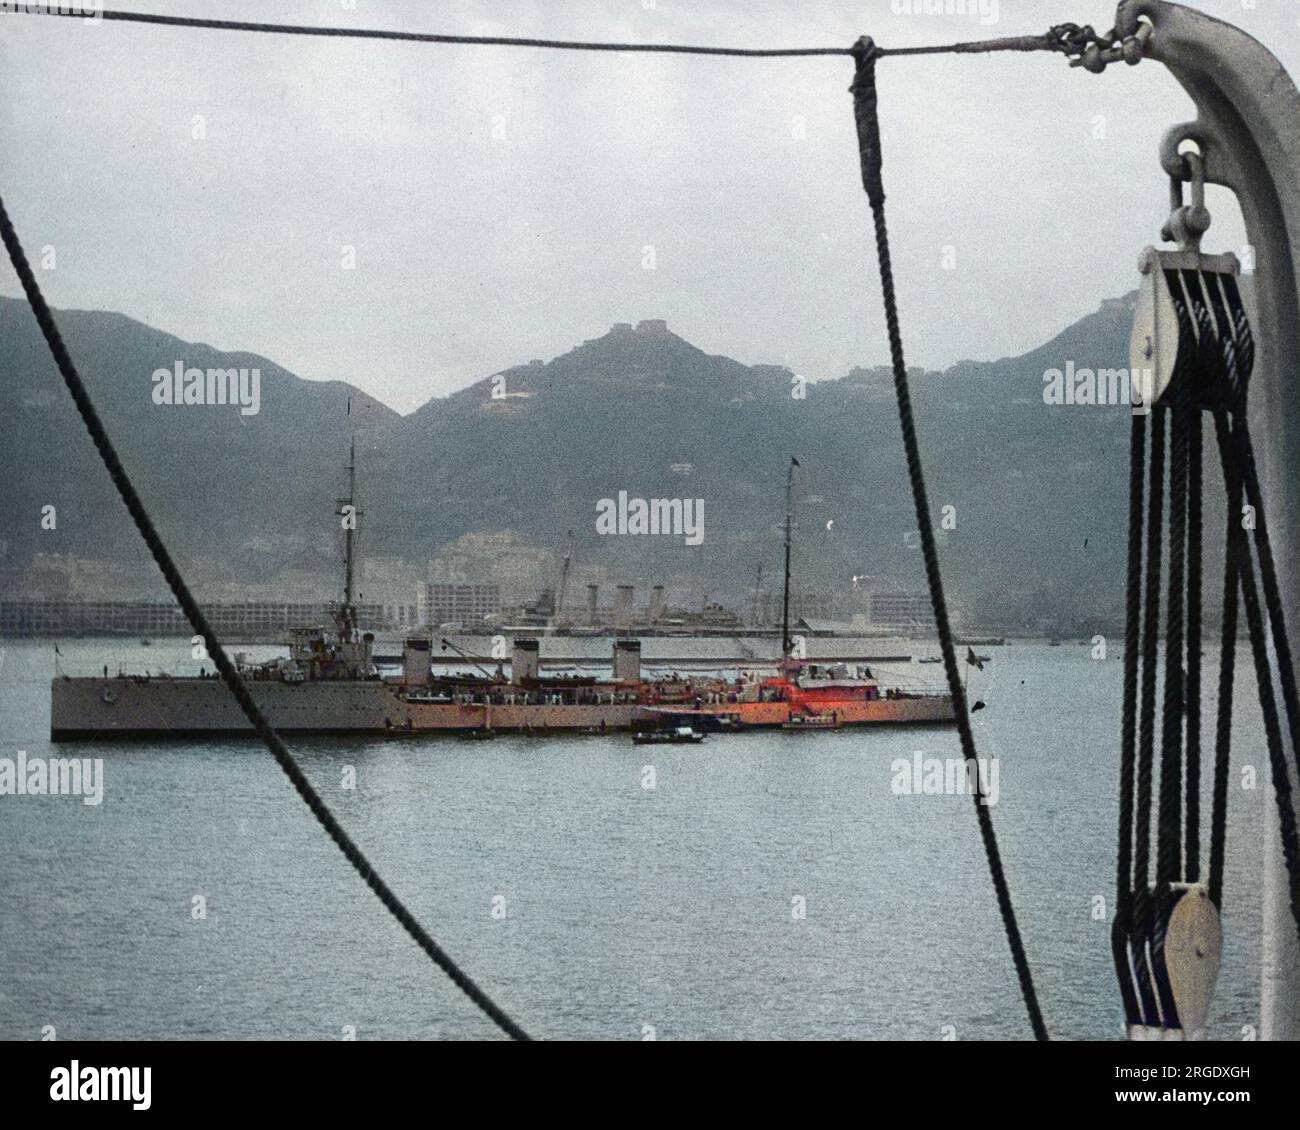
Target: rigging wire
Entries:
(1068, 39)
(231, 676)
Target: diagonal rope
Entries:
(136, 508)
(864, 92)
(1240, 548)
(1229, 370)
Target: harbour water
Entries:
(769, 885)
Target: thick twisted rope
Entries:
(865, 109)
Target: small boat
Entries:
(677, 735)
(710, 723)
(811, 722)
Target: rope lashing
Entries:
(865, 109)
(1192, 328)
(135, 507)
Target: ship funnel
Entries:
(623, 608)
(523, 661)
(593, 594)
(627, 661)
(656, 604)
(415, 661)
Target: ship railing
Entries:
(899, 693)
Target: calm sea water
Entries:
(624, 907)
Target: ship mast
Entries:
(347, 614)
(785, 595)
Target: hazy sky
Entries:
(500, 200)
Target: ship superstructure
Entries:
(808, 695)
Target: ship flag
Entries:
(973, 659)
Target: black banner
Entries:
(335, 1079)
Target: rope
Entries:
(121, 480)
(1128, 729)
(1144, 906)
(1195, 539)
(1244, 451)
(1223, 384)
(1067, 39)
(1239, 358)
(1150, 639)
(865, 112)
(470, 40)
(1168, 848)
(1132, 623)
(1236, 361)
(1223, 729)
(1222, 363)
(1263, 673)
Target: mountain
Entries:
(1039, 490)
(236, 496)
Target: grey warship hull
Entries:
(140, 707)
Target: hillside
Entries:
(1039, 490)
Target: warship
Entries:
(329, 683)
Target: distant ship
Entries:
(329, 684)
